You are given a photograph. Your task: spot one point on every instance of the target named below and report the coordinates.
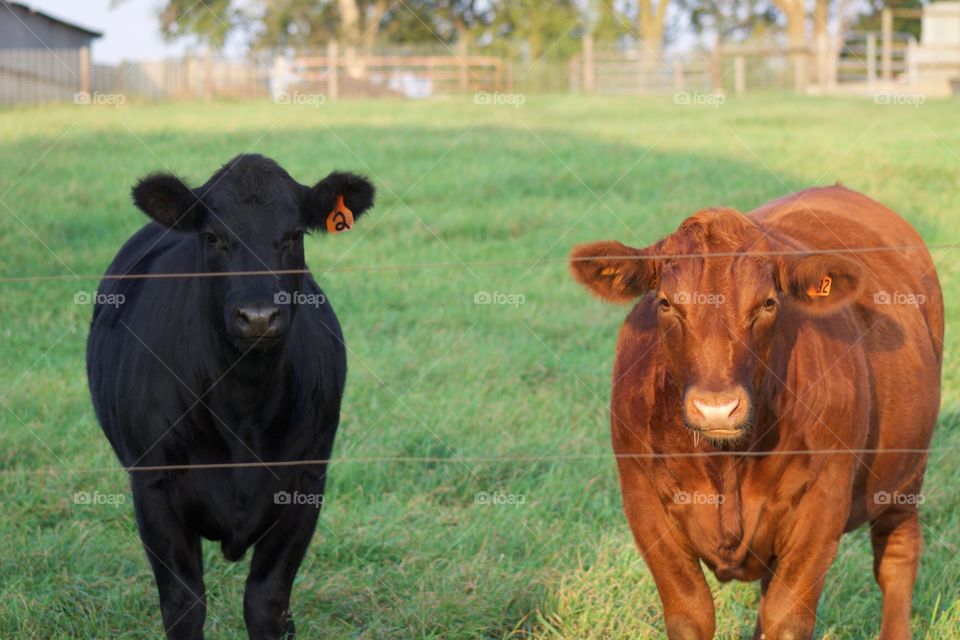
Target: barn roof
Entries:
(57, 21)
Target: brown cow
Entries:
(762, 383)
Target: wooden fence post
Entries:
(886, 56)
(85, 70)
(800, 71)
(716, 71)
(333, 89)
(208, 75)
(464, 76)
(823, 69)
(912, 71)
(871, 59)
(588, 68)
(739, 75)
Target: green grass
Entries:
(402, 551)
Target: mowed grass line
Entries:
(402, 549)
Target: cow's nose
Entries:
(716, 410)
(258, 320)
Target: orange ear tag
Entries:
(340, 219)
(823, 290)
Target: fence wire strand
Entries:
(479, 459)
(478, 263)
(530, 459)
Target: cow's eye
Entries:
(664, 304)
(211, 239)
(769, 304)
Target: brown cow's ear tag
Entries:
(340, 219)
(821, 291)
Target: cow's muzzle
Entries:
(722, 415)
(258, 321)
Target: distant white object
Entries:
(279, 78)
(411, 85)
(934, 63)
(941, 25)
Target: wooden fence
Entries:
(352, 73)
(59, 75)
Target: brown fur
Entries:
(838, 372)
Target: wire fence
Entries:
(530, 459)
(487, 459)
(472, 264)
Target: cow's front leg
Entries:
(688, 610)
(788, 610)
(276, 559)
(175, 555)
(896, 538)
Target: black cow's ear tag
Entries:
(340, 219)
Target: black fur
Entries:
(174, 384)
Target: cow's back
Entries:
(838, 218)
(900, 318)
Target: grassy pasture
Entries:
(402, 549)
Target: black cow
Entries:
(223, 367)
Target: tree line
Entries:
(525, 29)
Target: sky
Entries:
(131, 31)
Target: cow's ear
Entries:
(613, 271)
(821, 283)
(165, 198)
(321, 204)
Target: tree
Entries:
(870, 19)
(310, 25)
(795, 12)
(650, 21)
(210, 22)
(729, 21)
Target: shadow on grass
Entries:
(409, 550)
